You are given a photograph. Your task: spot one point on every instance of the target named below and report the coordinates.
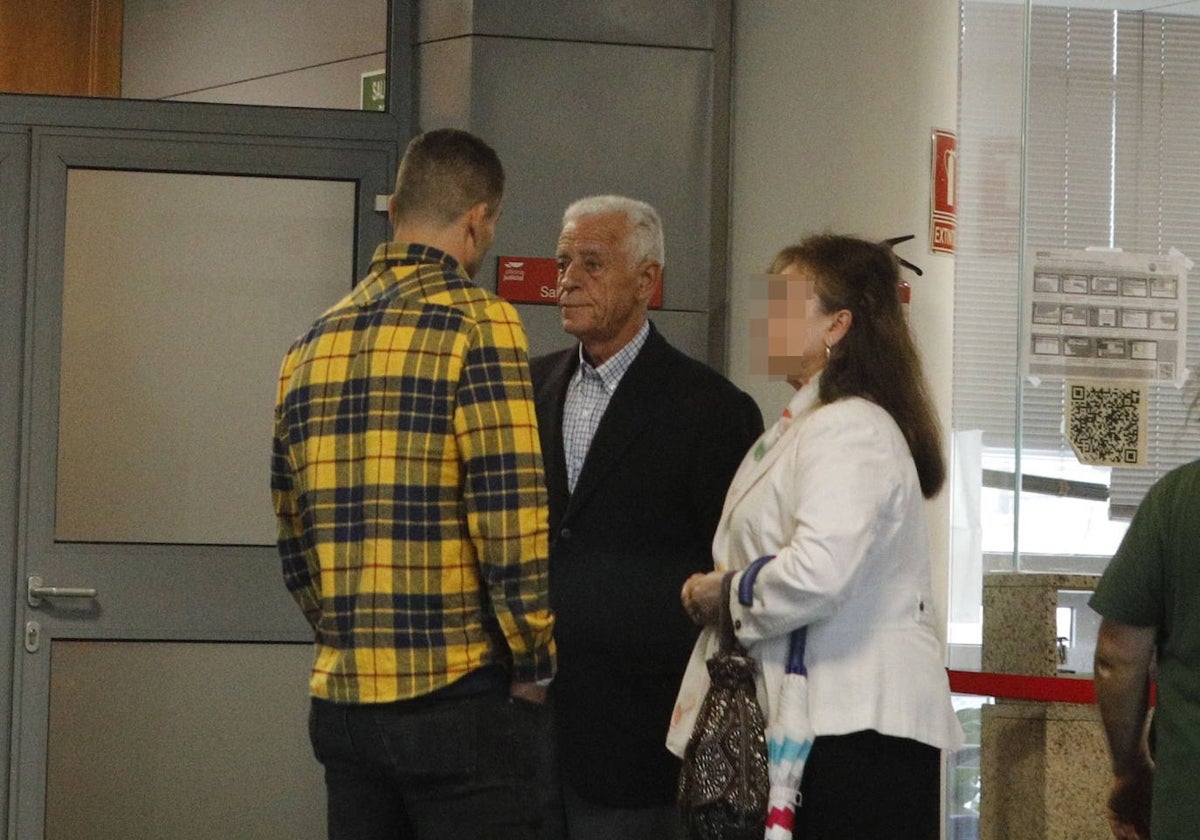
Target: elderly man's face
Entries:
(602, 292)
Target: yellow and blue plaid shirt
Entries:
(408, 486)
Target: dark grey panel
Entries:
(674, 23)
(686, 330)
(14, 162)
(444, 87)
(543, 325)
(594, 119)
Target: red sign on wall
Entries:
(527, 279)
(535, 280)
(943, 199)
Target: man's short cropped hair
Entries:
(444, 173)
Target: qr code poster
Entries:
(1106, 422)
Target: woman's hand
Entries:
(701, 597)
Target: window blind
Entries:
(1113, 159)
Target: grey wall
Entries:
(580, 98)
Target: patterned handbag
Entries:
(724, 782)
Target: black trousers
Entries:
(867, 786)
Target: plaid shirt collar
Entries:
(383, 279)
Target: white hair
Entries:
(645, 241)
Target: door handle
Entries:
(37, 591)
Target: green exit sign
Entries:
(373, 87)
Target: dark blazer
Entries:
(640, 521)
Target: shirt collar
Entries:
(434, 272)
(410, 253)
(611, 371)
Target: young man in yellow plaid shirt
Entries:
(407, 482)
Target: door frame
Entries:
(14, 185)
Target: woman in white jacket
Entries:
(834, 492)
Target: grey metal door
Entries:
(159, 667)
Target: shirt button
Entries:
(565, 533)
(737, 625)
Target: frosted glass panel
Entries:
(181, 740)
(180, 296)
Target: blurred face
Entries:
(602, 293)
(797, 326)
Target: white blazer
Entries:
(836, 499)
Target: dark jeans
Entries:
(429, 769)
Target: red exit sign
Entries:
(943, 197)
(535, 280)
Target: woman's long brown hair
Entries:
(877, 358)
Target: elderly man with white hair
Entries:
(639, 443)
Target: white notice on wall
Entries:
(1106, 315)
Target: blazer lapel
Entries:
(551, 396)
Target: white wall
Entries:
(833, 105)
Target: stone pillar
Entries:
(1044, 766)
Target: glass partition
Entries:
(1079, 210)
(1074, 347)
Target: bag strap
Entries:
(728, 639)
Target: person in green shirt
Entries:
(1149, 598)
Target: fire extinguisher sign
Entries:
(943, 198)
